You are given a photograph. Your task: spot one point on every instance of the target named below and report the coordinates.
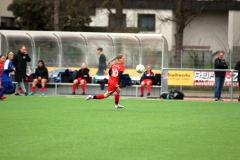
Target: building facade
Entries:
(6, 17)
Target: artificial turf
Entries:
(58, 127)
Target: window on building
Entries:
(7, 22)
(146, 22)
(111, 22)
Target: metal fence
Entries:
(69, 49)
(203, 59)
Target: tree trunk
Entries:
(180, 24)
(56, 15)
(119, 16)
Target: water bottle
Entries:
(92, 79)
(95, 78)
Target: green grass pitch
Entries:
(58, 127)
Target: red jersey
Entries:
(1, 68)
(116, 68)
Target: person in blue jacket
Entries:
(6, 80)
(147, 79)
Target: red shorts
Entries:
(79, 80)
(146, 80)
(111, 87)
(40, 81)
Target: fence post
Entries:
(230, 54)
(181, 65)
(231, 91)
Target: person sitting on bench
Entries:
(81, 79)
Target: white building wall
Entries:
(234, 29)
(166, 28)
(209, 29)
(3, 9)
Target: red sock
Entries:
(117, 97)
(42, 89)
(99, 96)
(141, 89)
(74, 87)
(83, 88)
(149, 88)
(32, 89)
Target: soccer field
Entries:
(58, 127)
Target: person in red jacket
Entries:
(81, 79)
(147, 79)
(2, 60)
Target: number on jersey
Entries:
(114, 72)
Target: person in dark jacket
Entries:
(147, 79)
(20, 63)
(81, 79)
(41, 78)
(219, 63)
(102, 66)
(237, 67)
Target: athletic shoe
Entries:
(73, 93)
(220, 99)
(216, 99)
(43, 94)
(31, 93)
(89, 97)
(4, 97)
(83, 93)
(141, 95)
(119, 106)
(26, 93)
(17, 94)
(148, 94)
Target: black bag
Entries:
(67, 76)
(157, 80)
(102, 83)
(176, 94)
(166, 96)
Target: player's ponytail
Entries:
(118, 57)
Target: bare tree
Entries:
(117, 17)
(183, 16)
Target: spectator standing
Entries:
(219, 63)
(102, 66)
(237, 67)
(20, 63)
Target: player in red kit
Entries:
(115, 72)
(147, 79)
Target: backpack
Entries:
(157, 80)
(67, 76)
(176, 94)
(166, 96)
